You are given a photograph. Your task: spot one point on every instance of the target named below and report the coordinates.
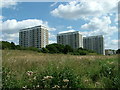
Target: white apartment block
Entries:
(73, 39)
(95, 43)
(34, 37)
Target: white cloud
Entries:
(52, 41)
(117, 18)
(69, 27)
(10, 28)
(95, 12)
(10, 37)
(84, 8)
(52, 36)
(96, 23)
(115, 41)
(52, 29)
(112, 44)
(8, 3)
(99, 26)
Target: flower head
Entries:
(34, 78)
(65, 80)
(56, 86)
(24, 87)
(38, 86)
(29, 73)
(47, 77)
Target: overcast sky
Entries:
(90, 17)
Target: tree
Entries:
(6, 45)
(59, 47)
(118, 51)
(52, 48)
(13, 45)
(82, 52)
(68, 49)
(80, 48)
(44, 50)
(18, 47)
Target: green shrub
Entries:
(44, 50)
(67, 49)
(52, 48)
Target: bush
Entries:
(12, 46)
(6, 45)
(55, 48)
(52, 48)
(59, 47)
(44, 50)
(67, 49)
(18, 47)
(118, 51)
(80, 51)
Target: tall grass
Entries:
(27, 69)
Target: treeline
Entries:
(51, 48)
(59, 48)
(11, 46)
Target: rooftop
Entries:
(68, 32)
(30, 28)
(94, 36)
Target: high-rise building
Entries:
(73, 39)
(95, 43)
(33, 37)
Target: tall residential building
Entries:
(33, 37)
(95, 43)
(73, 39)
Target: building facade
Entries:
(95, 43)
(73, 39)
(33, 37)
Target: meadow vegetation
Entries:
(33, 70)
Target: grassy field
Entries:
(27, 69)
